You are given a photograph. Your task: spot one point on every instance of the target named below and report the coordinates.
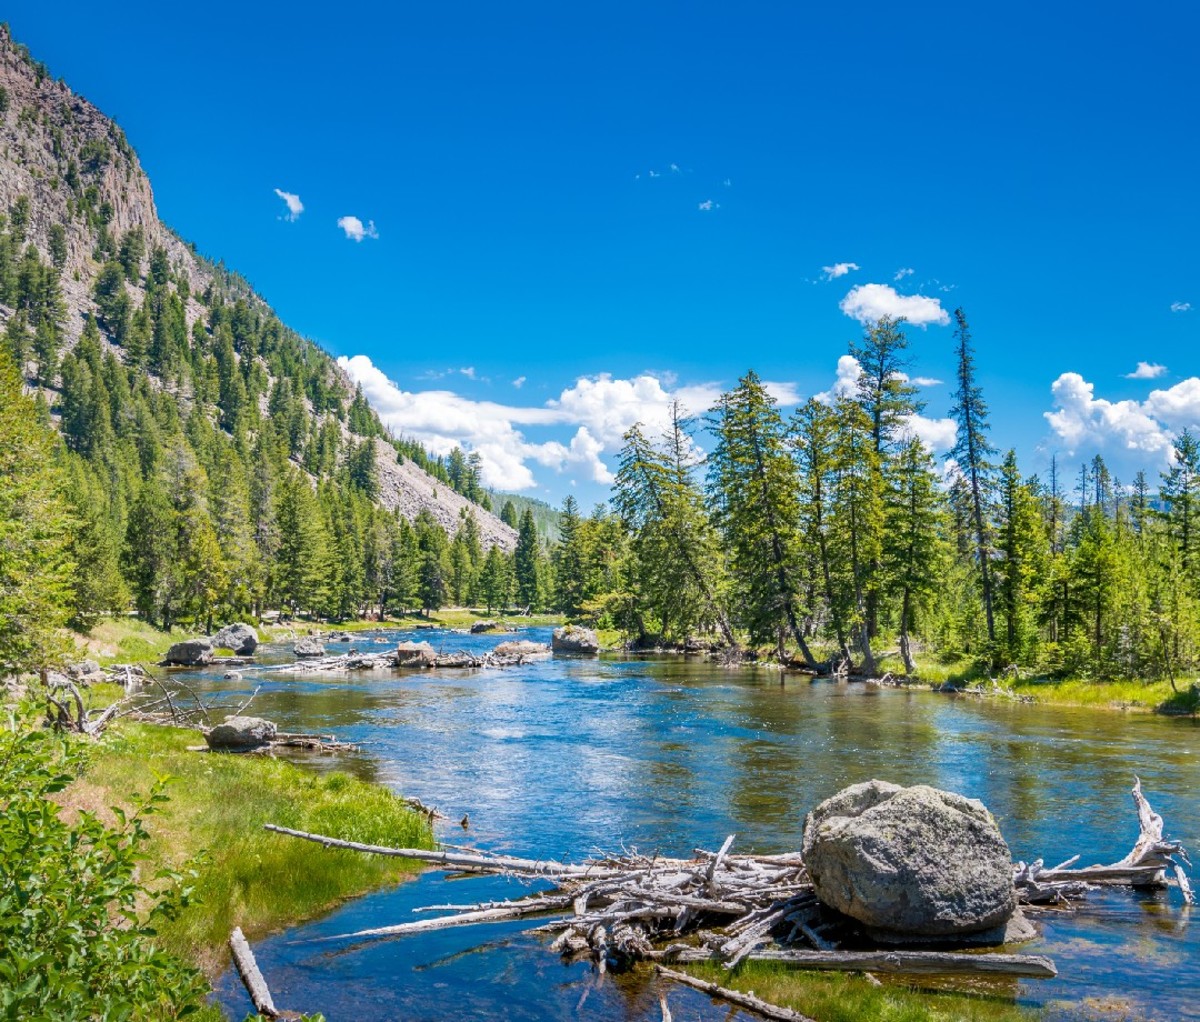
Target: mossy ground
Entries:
(218, 804)
(842, 997)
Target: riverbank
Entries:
(212, 825)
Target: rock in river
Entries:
(239, 637)
(915, 862)
(309, 647)
(479, 627)
(237, 734)
(575, 639)
(415, 654)
(520, 649)
(189, 653)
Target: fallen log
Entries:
(513, 910)
(911, 963)
(748, 1001)
(253, 980)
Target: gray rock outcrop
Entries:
(239, 637)
(309, 647)
(237, 734)
(415, 654)
(521, 648)
(910, 861)
(575, 639)
(189, 653)
(479, 627)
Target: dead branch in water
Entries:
(749, 1001)
(252, 978)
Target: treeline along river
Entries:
(563, 758)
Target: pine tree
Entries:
(1021, 560)
(35, 534)
(508, 514)
(752, 480)
(569, 558)
(971, 453)
(527, 563)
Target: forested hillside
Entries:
(217, 464)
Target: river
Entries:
(569, 756)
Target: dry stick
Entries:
(499, 863)
(764, 1008)
(256, 985)
(238, 711)
(936, 963)
(515, 910)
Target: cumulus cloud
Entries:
(1130, 434)
(294, 206)
(598, 409)
(1146, 371)
(1181, 306)
(355, 229)
(869, 303)
(845, 382)
(837, 270)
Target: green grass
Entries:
(125, 640)
(843, 997)
(1120, 694)
(248, 877)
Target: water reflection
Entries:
(564, 757)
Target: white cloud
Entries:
(708, 205)
(1131, 434)
(355, 229)
(727, 183)
(519, 382)
(870, 302)
(785, 394)
(907, 271)
(926, 381)
(1146, 371)
(845, 383)
(600, 409)
(1181, 306)
(837, 270)
(294, 205)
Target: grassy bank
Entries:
(839, 997)
(218, 804)
(447, 617)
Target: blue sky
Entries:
(615, 202)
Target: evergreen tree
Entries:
(569, 559)
(508, 514)
(527, 563)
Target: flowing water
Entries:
(569, 756)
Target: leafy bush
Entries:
(76, 920)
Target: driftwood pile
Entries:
(619, 910)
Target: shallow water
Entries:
(564, 757)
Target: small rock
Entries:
(189, 653)
(83, 668)
(910, 861)
(309, 647)
(575, 639)
(479, 627)
(415, 654)
(239, 637)
(232, 676)
(238, 734)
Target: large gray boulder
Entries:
(520, 649)
(237, 734)
(415, 654)
(479, 627)
(915, 862)
(239, 637)
(575, 639)
(189, 653)
(308, 647)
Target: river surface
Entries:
(566, 757)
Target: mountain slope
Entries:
(75, 190)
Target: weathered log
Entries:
(925, 963)
(495, 863)
(512, 910)
(749, 1001)
(253, 980)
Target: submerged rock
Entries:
(237, 734)
(521, 648)
(575, 639)
(239, 637)
(914, 862)
(415, 654)
(309, 647)
(189, 653)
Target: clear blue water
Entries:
(565, 757)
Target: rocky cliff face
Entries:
(70, 173)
